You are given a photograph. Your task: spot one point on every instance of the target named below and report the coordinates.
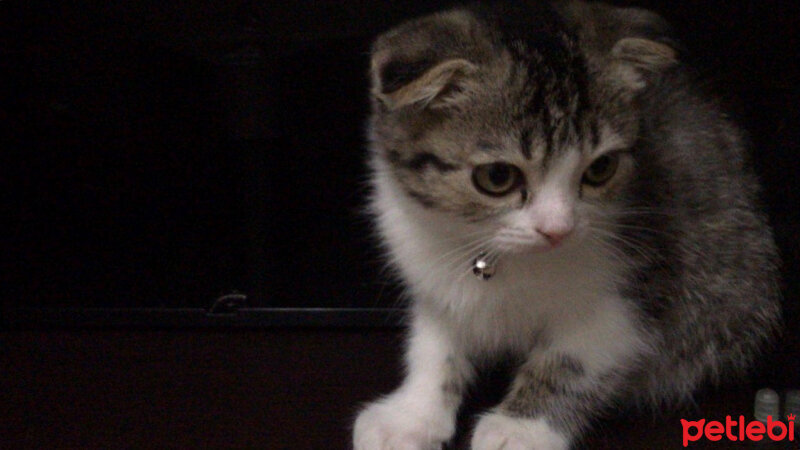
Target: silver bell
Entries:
(483, 267)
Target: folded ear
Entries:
(645, 54)
(428, 62)
(643, 48)
(631, 45)
(637, 61)
(427, 84)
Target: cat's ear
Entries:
(643, 49)
(637, 61)
(645, 54)
(423, 62)
(397, 84)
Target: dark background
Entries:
(161, 154)
(167, 153)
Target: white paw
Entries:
(496, 431)
(395, 424)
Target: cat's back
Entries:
(711, 287)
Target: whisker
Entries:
(656, 210)
(631, 227)
(613, 251)
(458, 258)
(465, 236)
(468, 245)
(634, 245)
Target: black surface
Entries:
(281, 388)
(138, 319)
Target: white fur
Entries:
(552, 211)
(418, 415)
(567, 294)
(402, 422)
(499, 432)
(531, 292)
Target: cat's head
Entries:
(518, 121)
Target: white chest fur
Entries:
(551, 295)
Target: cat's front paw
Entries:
(497, 431)
(392, 425)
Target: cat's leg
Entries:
(560, 387)
(421, 413)
(549, 403)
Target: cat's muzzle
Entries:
(484, 266)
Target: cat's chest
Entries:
(530, 297)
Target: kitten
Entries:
(567, 144)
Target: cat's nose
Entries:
(555, 236)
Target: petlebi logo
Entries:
(738, 430)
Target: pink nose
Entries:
(555, 237)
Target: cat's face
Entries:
(549, 200)
(528, 149)
(511, 184)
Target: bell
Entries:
(483, 267)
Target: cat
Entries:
(567, 147)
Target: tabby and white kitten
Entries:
(567, 142)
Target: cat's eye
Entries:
(496, 179)
(602, 170)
